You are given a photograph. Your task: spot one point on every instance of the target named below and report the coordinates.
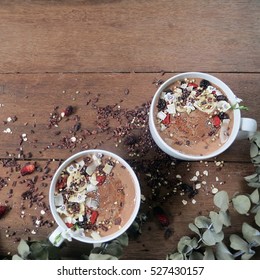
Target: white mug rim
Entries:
(231, 96)
(136, 184)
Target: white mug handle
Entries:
(56, 237)
(248, 128)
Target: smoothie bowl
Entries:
(195, 116)
(94, 197)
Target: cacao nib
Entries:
(161, 104)
(223, 116)
(221, 97)
(204, 84)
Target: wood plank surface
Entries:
(106, 58)
(125, 36)
(32, 97)
(230, 178)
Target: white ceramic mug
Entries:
(242, 127)
(56, 236)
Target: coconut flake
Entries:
(93, 179)
(223, 133)
(223, 106)
(171, 109)
(91, 188)
(80, 164)
(92, 203)
(97, 159)
(58, 200)
(108, 168)
(91, 168)
(161, 115)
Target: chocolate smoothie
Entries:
(95, 193)
(194, 117)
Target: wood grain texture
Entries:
(230, 179)
(32, 97)
(125, 36)
(94, 53)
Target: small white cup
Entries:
(62, 228)
(242, 127)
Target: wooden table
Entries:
(91, 54)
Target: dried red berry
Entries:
(93, 217)
(101, 179)
(3, 210)
(167, 120)
(69, 225)
(192, 85)
(27, 169)
(161, 216)
(216, 121)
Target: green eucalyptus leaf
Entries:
(98, 250)
(93, 256)
(54, 252)
(39, 251)
(182, 244)
(256, 159)
(23, 249)
(241, 203)
(210, 237)
(256, 138)
(114, 249)
(194, 229)
(122, 240)
(251, 234)
(216, 222)
(186, 244)
(257, 218)
(254, 185)
(225, 218)
(176, 256)
(202, 222)
(222, 252)
(85, 257)
(253, 150)
(254, 196)
(252, 178)
(208, 254)
(237, 243)
(255, 208)
(221, 200)
(17, 258)
(195, 256)
(248, 256)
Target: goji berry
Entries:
(161, 216)
(93, 217)
(192, 85)
(69, 225)
(101, 179)
(27, 169)
(216, 121)
(167, 119)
